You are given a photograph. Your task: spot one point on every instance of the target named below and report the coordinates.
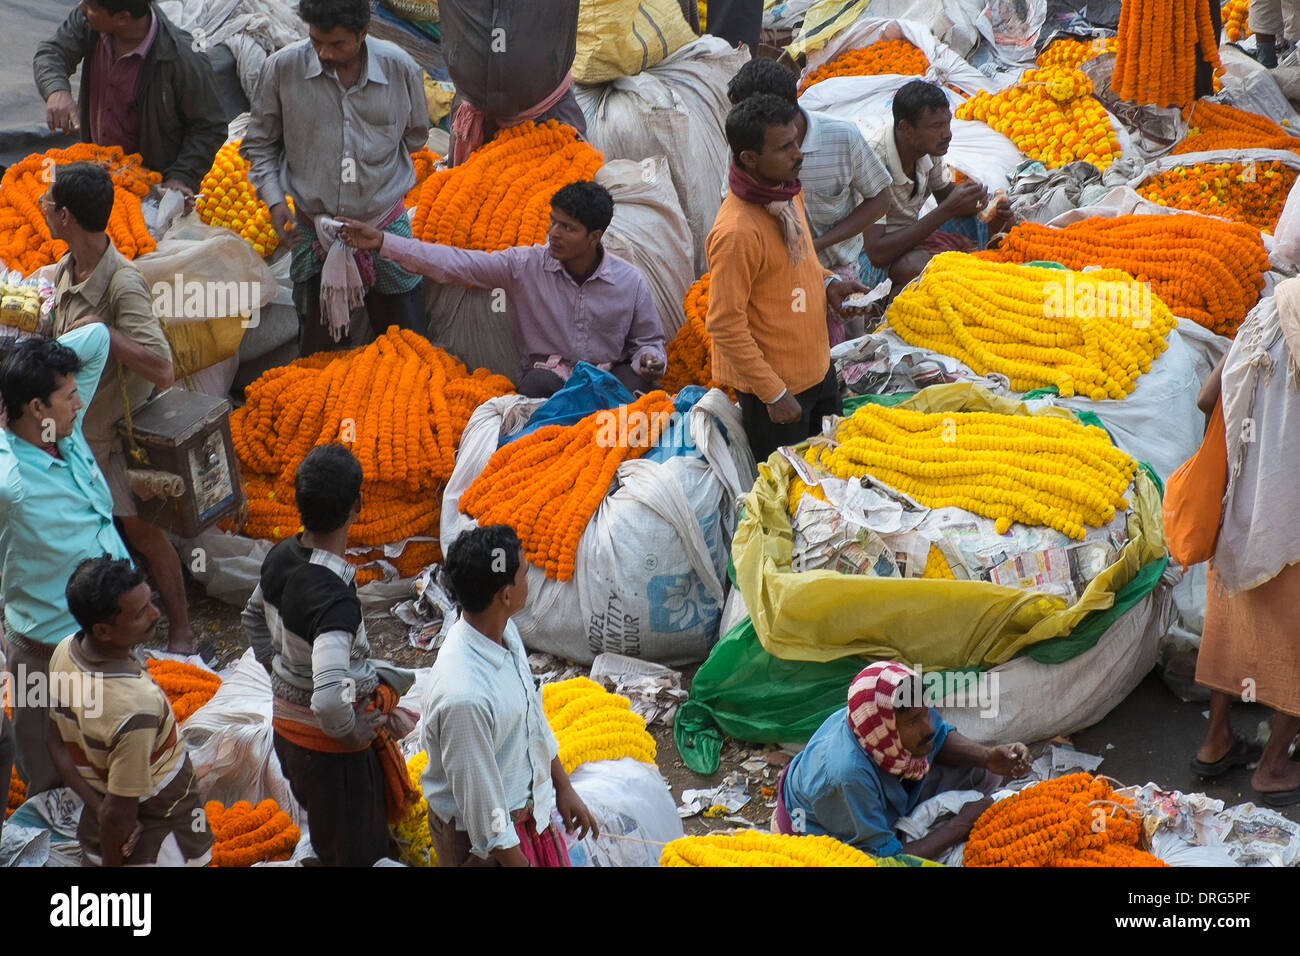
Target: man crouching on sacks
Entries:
(867, 766)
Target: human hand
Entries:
(360, 236)
(129, 846)
(61, 113)
(837, 290)
(368, 724)
(651, 367)
(1003, 218)
(970, 812)
(785, 410)
(1009, 760)
(966, 199)
(284, 223)
(574, 813)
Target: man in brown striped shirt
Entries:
(112, 733)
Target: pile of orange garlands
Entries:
(501, 195)
(1250, 192)
(187, 686)
(1236, 20)
(1156, 56)
(243, 834)
(690, 353)
(399, 403)
(1068, 51)
(25, 241)
(1077, 820)
(17, 792)
(1220, 126)
(1206, 270)
(424, 162)
(882, 57)
(549, 483)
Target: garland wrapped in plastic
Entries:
(592, 724)
(243, 834)
(187, 686)
(1155, 60)
(755, 848)
(1250, 192)
(875, 59)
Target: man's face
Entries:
(519, 586)
(338, 48)
(62, 407)
(53, 218)
(780, 159)
(136, 621)
(915, 730)
(932, 133)
(567, 238)
(99, 19)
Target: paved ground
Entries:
(22, 112)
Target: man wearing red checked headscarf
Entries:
(869, 764)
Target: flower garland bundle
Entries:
(187, 686)
(25, 241)
(399, 402)
(227, 198)
(412, 834)
(1051, 115)
(1090, 333)
(17, 792)
(501, 196)
(592, 724)
(549, 483)
(1070, 52)
(1250, 192)
(1076, 820)
(243, 834)
(937, 566)
(1236, 20)
(755, 848)
(1207, 270)
(882, 57)
(1220, 126)
(1155, 60)
(1033, 469)
(415, 557)
(424, 161)
(690, 353)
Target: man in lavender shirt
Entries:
(571, 300)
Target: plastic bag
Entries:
(634, 809)
(1286, 235)
(623, 37)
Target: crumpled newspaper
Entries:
(1250, 835)
(655, 691)
(726, 798)
(430, 614)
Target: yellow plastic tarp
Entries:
(825, 615)
(623, 37)
(824, 19)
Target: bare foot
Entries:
(181, 642)
(1272, 778)
(1214, 749)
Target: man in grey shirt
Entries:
(333, 125)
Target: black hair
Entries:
(86, 191)
(95, 587)
(915, 98)
(763, 76)
(748, 121)
(589, 203)
(30, 370)
(137, 8)
(327, 485)
(480, 563)
(327, 15)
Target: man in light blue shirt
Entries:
(55, 510)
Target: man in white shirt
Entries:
(494, 772)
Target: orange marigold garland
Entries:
(424, 162)
(1159, 40)
(548, 484)
(1206, 270)
(1076, 820)
(17, 792)
(690, 353)
(243, 834)
(25, 241)
(501, 195)
(1250, 192)
(1221, 126)
(882, 57)
(1236, 20)
(187, 686)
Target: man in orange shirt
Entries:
(767, 291)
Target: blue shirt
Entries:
(53, 512)
(834, 788)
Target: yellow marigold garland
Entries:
(227, 198)
(592, 724)
(1236, 20)
(243, 834)
(1070, 52)
(755, 848)
(187, 686)
(412, 834)
(690, 353)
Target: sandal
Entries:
(1240, 754)
(1281, 798)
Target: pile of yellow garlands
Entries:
(244, 834)
(1221, 126)
(25, 242)
(399, 403)
(1077, 820)
(501, 195)
(755, 848)
(1087, 333)
(1051, 115)
(548, 484)
(592, 724)
(1155, 60)
(1236, 20)
(875, 59)
(1206, 270)
(17, 792)
(227, 198)
(415, 843)
(1250, 192)
(1068, 51)
(690, 353)
(187, 686)
(1033, 469)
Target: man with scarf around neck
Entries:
(767, 292)
(867, 766)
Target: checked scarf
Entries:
(871, 718)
